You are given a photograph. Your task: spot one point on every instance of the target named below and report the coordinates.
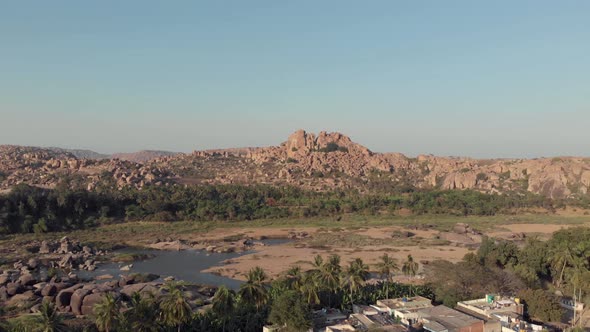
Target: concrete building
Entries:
(445, 319)
(497, 312)
(405, 309)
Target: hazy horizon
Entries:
(485, 80)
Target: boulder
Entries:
(77, 300)
(33, 263)
(45, 248)
(89, 302)
(49, 290)
(4, 279)
(133, 288)
(27, 280)
(65, 295)
(13, 288)
(22, 299)
(3, 293)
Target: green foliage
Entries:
(291, 311)
(541, 305)
(108, 314)
(481, 177)
(30, 209)
(332, 147)
(292, 160)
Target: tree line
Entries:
(535, 272)
(27, 209)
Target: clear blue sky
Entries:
(478, 78)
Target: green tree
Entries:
(108, 313)
(329, 276)
(354, 276)
(291, 313)
(310, 288)
(294, 277)
(386, 268)
(143, 314)
(541, 305)
(560, 258)
(224, 304)
(253, 291)
(410, 267)
(174, 308)
(48, 319)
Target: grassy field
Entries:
(136, 233)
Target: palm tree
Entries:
(253, 291)
(143, 314)
(310, 288)
(294, 277)
(329, 275)
(317, 264)
(174, 308)
(49, 319)
(107, 313)
(410, 267)
(561, 257)
(354, 276)
(224, 303)
(385, 268)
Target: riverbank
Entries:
(427, 238)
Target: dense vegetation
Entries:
(30, 209)
(287, 301)
(534, 272)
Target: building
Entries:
(340, 328)
(405, 309)
(445, 319)
(497, 312)
(492, 304)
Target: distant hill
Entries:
(143, 156)
(82, 154)
(322, 162)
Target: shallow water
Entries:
(183, 265)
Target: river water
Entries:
(183, 265)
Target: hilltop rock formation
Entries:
(325, 161)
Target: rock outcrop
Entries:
(321, 162)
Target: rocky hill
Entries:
(319, 162)
(142, 156)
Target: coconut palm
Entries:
(224, 304)
(329, 275)
(316, 265)
(385, 268)
(48, 319)
(174, 308)
(253, 291)
(560, 258)
(107, 313)
(410, 267)
(294, 277)
(310, 288)
(143, 313)
(354, 276)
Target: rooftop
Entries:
(446, 317)
(406, 303)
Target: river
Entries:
(183, 265)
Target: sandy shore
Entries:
(278, 258)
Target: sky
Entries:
(472, 78)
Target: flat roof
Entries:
(450, 318)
